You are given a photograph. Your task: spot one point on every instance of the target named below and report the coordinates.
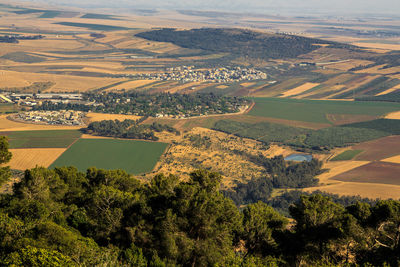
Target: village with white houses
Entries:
(217, 75)
(61, 117)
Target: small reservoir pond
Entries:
(299, 157)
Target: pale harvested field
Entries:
(345, 66)
(368, 190)
(91, 117)
(247, 84)
(8, 125)
(379, 46)
(353, 85)
(23, 159)
(393, 115)
(337, 167)
(300, 89)
(81, 63)
(222, 86)
(275, 150)
(181, 87)
(131, 85)
(375, 69)
(395, 88)
(395, 159)
(63, 83)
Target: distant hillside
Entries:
(240, 42)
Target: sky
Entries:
(296, 7)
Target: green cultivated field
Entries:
(42, 139)
(135, 157)
(316, 110)
(347, 155)
(8, 108)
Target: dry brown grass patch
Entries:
(92, 117)
(23, 159)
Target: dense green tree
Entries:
(261, 224)
(37, 257)
(5, 157)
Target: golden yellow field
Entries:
(395, 88)
(379, 46)
(62, 83)
(338, 167)
(395, 159)
(300, 89)
(345, 66)
(393, 115)
(247, 84)
(91, 117)
(131, 85)
(23, 159)
(368, 190)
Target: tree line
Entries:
(130, 129)
(152, 105)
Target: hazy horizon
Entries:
(294, 7)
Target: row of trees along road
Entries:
(63, 217)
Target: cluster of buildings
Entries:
(62, 117)
(219, 75)
(31, 100)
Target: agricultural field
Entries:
(42, 139)
(317, 111)
(92, 117)
(28, 158)
(8, 108)
(379, 149)
(135, 157)
(346, 155)
(374, 172)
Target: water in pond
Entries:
(299, 157)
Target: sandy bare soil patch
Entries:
(379, 46)
(62, 83)
(345, 66)
(393, 115)
(131, 85)
(379, 149)
(23, 159)
(91, 117)
(369, 190)
(337, 167)
(374, 172)
(247, 84)
(300, 89)
(395, 159)
(395, 88)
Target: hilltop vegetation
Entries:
(240, 43)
